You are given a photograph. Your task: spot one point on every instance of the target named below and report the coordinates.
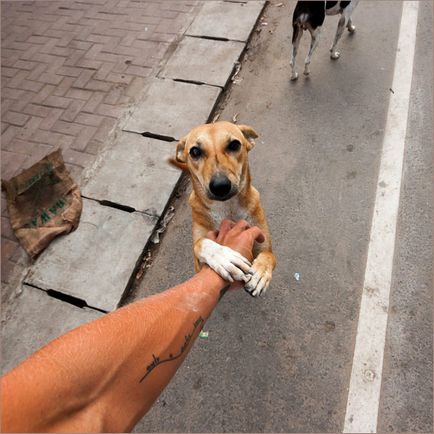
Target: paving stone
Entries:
(172, 108)
(135, 173)
(203, 60)
(78, 62)
(218, 19)
(95, 262)
(32, 319)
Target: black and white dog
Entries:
(310, 15)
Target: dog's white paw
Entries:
(228, 263)
(294, 76)
(335, 54)
(351, 28)
(260, 280)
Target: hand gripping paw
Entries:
(228, 263)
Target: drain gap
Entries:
(199, 83)
(70, 299)
(158, 137)
(125, 208)
(111, 204)
(212, 38)
(75, 301)
(183, 80)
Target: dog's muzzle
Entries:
(220, 187)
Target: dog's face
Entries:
(216, 157)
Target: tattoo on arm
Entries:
(187, 338)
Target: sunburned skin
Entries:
(216, 158)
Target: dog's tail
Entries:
(178, 164)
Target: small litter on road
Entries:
(237, 70)
(163, 225)
(203, 335)
(235, 118)
(146, 263)
(234, 78)
(297, 277)
(215, 118)
(329, 326)
(279, 5)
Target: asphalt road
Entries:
(282, 363)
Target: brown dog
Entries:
(215, 156)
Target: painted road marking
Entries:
(365, 384)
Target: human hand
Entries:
(238, 236)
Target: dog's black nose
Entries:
(220, 186)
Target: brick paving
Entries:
(70, 69)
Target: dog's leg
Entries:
(223, 260)
(334, 54)
(314, 33)
(350, 26)
(265, 261)
(296, 36)
(262, 268)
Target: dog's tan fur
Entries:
(207, 214)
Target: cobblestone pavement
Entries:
(69, 71)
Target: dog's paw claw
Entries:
(258, 283)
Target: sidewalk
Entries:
(69, 72)
(115, 84)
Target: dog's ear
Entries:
(180, 160)
(250, 134)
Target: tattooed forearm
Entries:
(187, 338)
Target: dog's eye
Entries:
(195, 152)
(234, 146)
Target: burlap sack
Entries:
(43, 202)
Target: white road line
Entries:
(365, 384)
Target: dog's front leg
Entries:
(228, 263)
(262, 268)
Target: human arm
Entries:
(105, 375)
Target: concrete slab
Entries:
(203, 60)
(233, 21)
(135, 173)
(32, 319)
(95, 262)
(172, 108)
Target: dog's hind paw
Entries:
(294, 76)
(335, 54)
